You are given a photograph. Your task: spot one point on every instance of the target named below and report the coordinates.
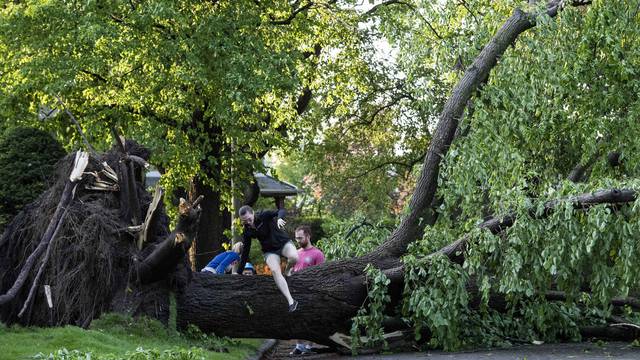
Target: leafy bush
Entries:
(27, 158)
(316, 224)
(209, 341)
(351, 237)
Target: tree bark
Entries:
(212, 225)
(252, 306)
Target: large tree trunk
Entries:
(252, 306)
(214, 221)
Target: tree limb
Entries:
(43, 264)
(410, 6)
(412, 226)
(75, 122)
(583, 201)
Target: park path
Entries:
(578, 351)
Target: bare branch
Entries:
(464, 4)
(410, 6)
(293, 14)
(86, 142)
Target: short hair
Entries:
(245, 209)
(306, 229)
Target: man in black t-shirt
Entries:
(267, 227)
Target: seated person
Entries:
(248, 269)
(225, 262)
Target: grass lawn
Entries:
(117, 335)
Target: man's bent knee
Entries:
(275, 271)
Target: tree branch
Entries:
(464, 4)
(583, 201)
(407, 165)
(75, 122)
(293, 14)
(410, 6)
(373, 116)
(410, 228)
(94, 75)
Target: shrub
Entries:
(317, 232)
(27, 158)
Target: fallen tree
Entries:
(329, 294)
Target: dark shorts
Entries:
(279, 251)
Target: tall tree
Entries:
(208, 86)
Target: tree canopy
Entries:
(189, 79)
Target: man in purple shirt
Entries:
(308, 255)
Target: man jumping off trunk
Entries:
(267, 227)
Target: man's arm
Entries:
(268, 215)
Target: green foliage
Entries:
(138, 354)
(564, 94)
(437, 299)
(209, 341)
(27, 160)
(351, 237)
(369, 318)
(314, 222)
(570, 249)
(189, 79)
(115, 336)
